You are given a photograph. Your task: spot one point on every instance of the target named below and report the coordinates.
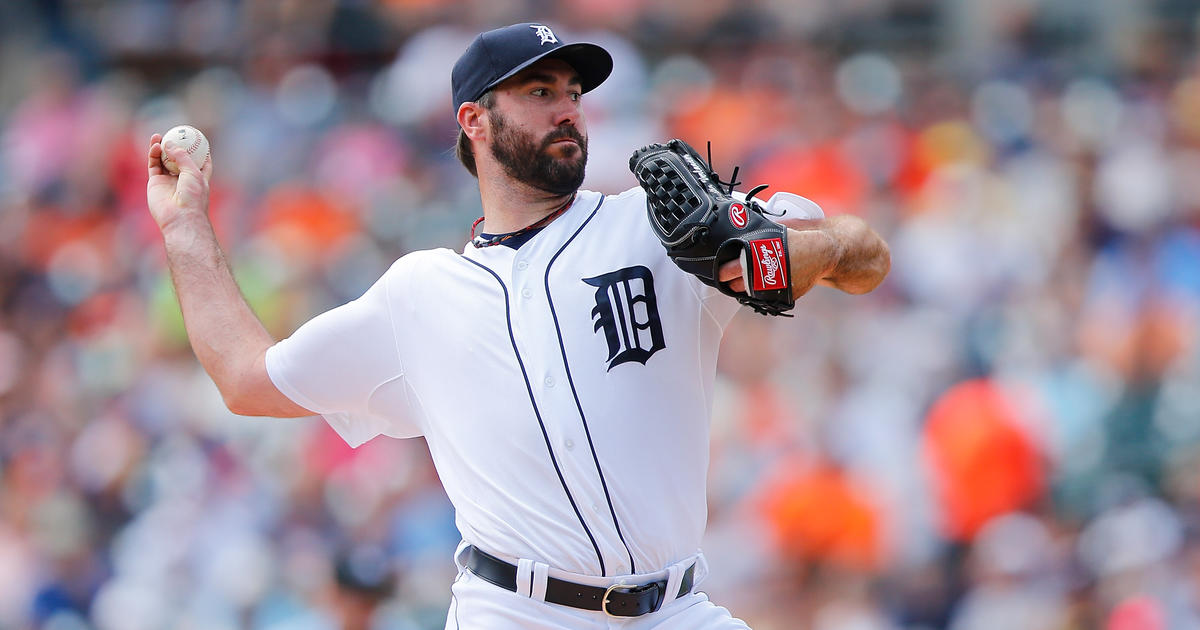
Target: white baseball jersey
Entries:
(564, 387)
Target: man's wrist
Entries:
(185, 226)
(817, 246)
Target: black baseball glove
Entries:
(703, 226)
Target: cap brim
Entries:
(592, 62)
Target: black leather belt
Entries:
(618, 600)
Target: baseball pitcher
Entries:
(560, 366)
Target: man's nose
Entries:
(566, 112)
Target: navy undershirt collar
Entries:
(513, 241)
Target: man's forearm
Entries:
(224, 332)
(864, 258)
(859, 258)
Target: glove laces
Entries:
(733, 182)
(700, 231)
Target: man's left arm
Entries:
(842, 252)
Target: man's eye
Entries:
(575, 96)
(539, 92)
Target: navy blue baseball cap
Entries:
(498, 54)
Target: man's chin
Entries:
(561, 181)
(564, 148)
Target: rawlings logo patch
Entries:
(737, 215)
(769, 270)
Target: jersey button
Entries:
(521, 264)
(549, 381)
(570, 444)
(527, 292)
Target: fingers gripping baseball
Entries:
(171, 197)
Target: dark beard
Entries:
(531, 163)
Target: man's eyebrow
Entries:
(545, 77)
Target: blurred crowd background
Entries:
(1006, 434)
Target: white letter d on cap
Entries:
(544, 33)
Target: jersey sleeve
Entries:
(345, 365)
(786, 205)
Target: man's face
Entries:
(537, 128)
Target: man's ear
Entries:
(473, 120)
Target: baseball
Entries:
(189, 138)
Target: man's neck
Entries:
(509, 206)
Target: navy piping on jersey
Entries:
(545, 436)
(571, 381)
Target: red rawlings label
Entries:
(737, 215)
(769, 271)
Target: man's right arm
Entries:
(227, 337)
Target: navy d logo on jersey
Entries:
(627, 310)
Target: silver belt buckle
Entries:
(607, 592)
